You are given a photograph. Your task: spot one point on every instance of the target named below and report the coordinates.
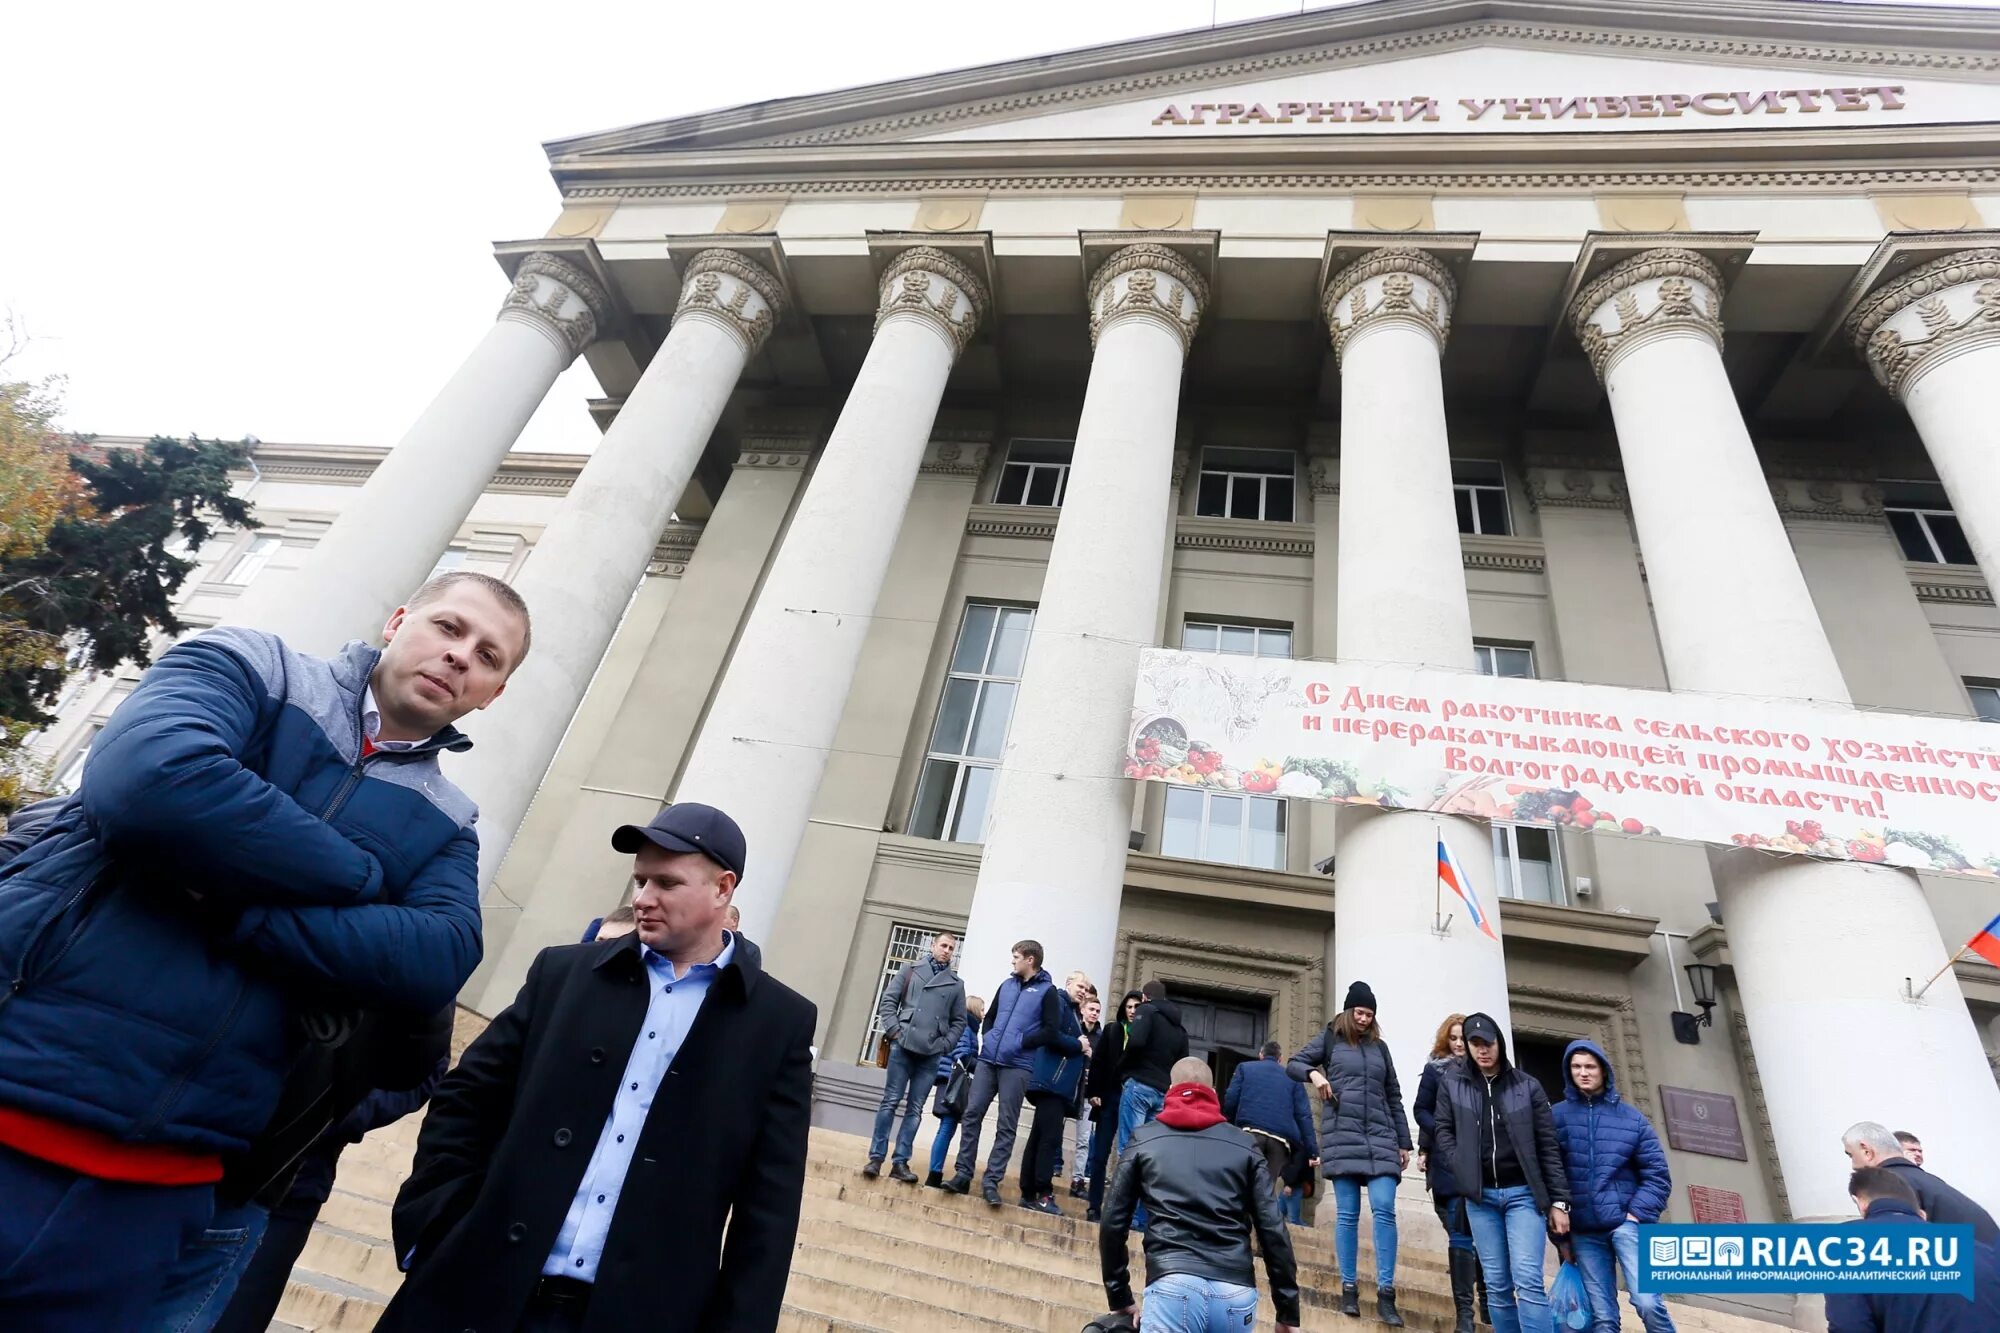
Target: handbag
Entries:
(903, 1015)
(1057, 1073)
(956, 1092)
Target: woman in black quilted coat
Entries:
(1364, 1140)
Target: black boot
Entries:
(935, 1180)
(1350, 1299)
(1385, 1307)
(1464, 1279)
(1479, 1274)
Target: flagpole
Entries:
(1941, 971)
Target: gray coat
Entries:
(923, 1009)
(1360, 1132)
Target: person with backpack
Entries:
(1061, 1054)
(1618, 1180)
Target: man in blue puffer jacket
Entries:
(1618, 1179)
(1006, 1064)
(260, 837)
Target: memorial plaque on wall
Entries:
(1709, 1204)
(1704, 1122)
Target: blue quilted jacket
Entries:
(1263, 1096)
(230, 862)
(1610, 1152)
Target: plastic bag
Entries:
(1569, 1300)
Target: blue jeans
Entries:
(947, 1126)
(1103, 1135)
(1293, 1201)
(212, 1262)
(1137, 1104)
(909, 1078)
(1512, 1236)
(1347, 1225)
(1595, 1255)
(1183, 1303)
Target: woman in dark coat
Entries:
(1468, 1286)
(1364, 1140)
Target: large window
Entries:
(1504, 659)
(1217, 826)
(1246, 483)
(1527, 863)
(1480, 492)
(907, 944)
(1208, 636)
(972, 718)
(250, 564)
(1920, 515)
(1037, 473)
(1985, 699)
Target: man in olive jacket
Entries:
(921, 1014)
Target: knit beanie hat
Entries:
(1359, 997)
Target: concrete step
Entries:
(356, 1260)
(322, 1304)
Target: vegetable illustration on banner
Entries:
(1779, 775)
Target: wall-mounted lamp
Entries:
(1701, 980)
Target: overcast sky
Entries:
(274, 220)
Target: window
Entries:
(1504, 659)
(1920, 515)
(70, 776)
(1216, 826)
(1480, 492)
(1037, 473)
(250, 564)
(1985, 699)
(1246, 483)
(1207, 636)
(1527, 863)
(453, 558)
(906, 945)
(972, 718)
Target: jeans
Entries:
(255, 1304)
(80, 1253)
(1512, 1237)
(992, 1083)
(1184, 1303)
(1102, 1139)
(1086, 1132)
(1595, 1254)
(204, 1277)
(908, 1081)
(1293, 1202)
(940, 1145)
(1451, 1216)
(1347, 1225)
(1137, 1104)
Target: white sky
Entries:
(273, 220)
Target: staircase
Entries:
(880, 1257)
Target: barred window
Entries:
(907, 944)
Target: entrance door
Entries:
(1224, 1032)
(1541, 1059)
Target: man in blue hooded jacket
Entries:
(1618, 1179)
(262, 844)
(1006, 1066)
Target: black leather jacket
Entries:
(1204, 1189)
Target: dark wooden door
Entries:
(1225, 1033)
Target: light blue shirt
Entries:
(670, 1013)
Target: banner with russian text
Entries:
(1894, 788)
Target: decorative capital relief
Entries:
(560, 299)
(1576, 488)
(674, 550)
(775, 452)
(1148, 281)
(1396, 285)
(1663, 291)
(1323, 475)
(724, 288)
(1825, 500)
(929, 284)
(1928, 316)
(954, 458)
(1183, 460)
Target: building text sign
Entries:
(1704, 1122)
(1711, 1205)
(1785, 776)
(1761, 104)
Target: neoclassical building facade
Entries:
(1651, 346)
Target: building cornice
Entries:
(351, 464)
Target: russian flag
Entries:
(1452, 875)
(1987, 942)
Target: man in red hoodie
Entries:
(1205, 1186)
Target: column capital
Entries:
(1940, 310)
(1395, 285)
(925, 283)
(1148, 281)
(560, 299)
(1670, 290)
(739, 294)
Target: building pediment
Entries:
(1395, 67)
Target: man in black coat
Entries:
(1872, 1144)
(1884, 1196)
(625, 1146)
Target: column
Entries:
(1054, 865)
(764, 746)
(390, 535)
(584, 570)
(1401, 598)
(1818, 947)
(1932, 338)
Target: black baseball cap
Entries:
(1481, 1028)
(688, 827)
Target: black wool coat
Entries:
(702, 1238)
